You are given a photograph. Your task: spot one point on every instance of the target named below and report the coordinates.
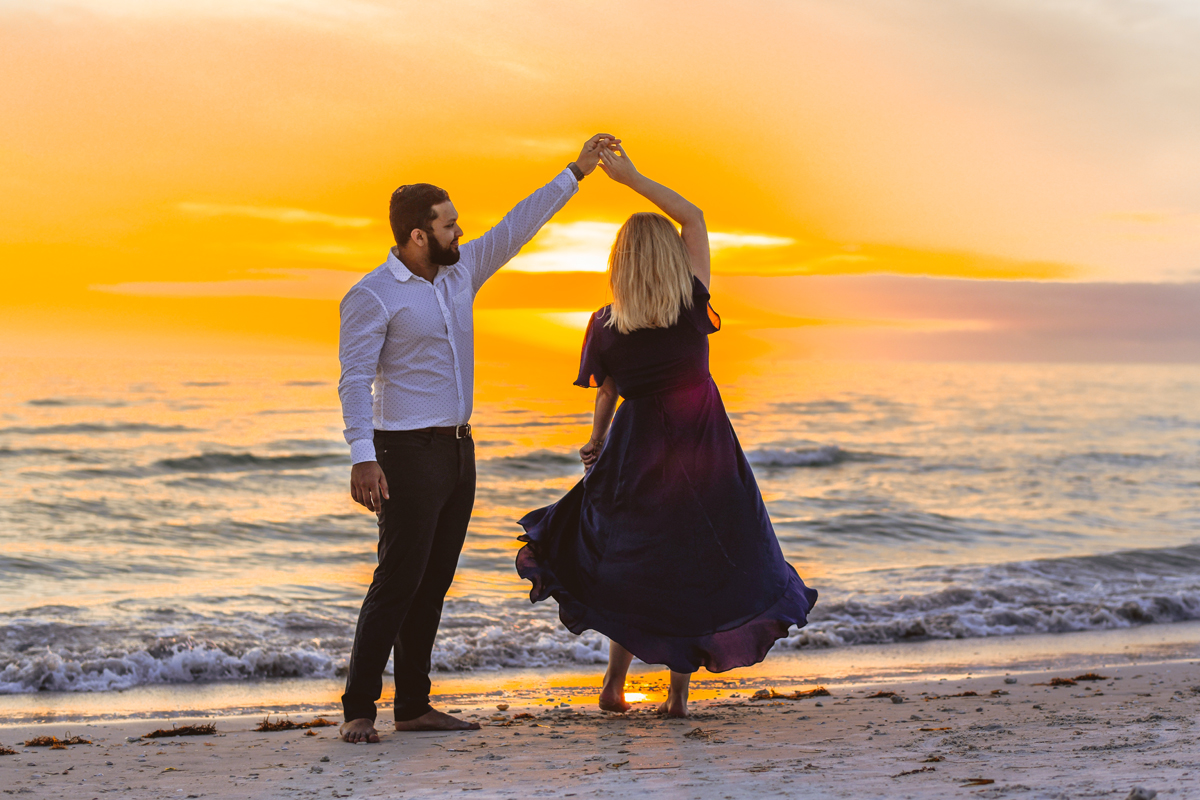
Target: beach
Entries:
(1038, 734)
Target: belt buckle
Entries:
(462, 431)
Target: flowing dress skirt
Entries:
(665, 545)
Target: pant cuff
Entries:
(411, 711)
(352, 713)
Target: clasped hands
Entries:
(605, 150)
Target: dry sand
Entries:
(1094, 739)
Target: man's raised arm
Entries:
(494, 249)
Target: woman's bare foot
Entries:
(359, 730)
(436, 721)
(677, 695)
(613, 700)
(612, 692)
(673, 707)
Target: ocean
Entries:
(188, 522)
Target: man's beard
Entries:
(442, 256)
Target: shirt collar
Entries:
(397, 267)
(402, 273)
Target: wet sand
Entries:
(1097, 738)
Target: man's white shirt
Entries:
(407, 346)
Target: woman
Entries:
(665, 546)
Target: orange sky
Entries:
(219, 171)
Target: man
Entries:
(407, 353)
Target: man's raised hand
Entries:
(589, 156)
(368, 486)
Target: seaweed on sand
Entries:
(287, 725)
(701, 735)
(7, 751)
(1058, 682)
(53, 743)
(771, 694)
(186, 730)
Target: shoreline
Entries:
(783, 669)
(990, 735)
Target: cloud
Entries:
(924, 318)
(1162, 227)
(296, 10)
(1100, 310)
(297, 284)
(356, 253)
(584, 246)
(1156, 217)
(287, 216)
(718, 241)
(541, 328)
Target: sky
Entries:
(984, 179)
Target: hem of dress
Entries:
(741, 645)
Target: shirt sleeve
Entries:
(363, 329)
(702, 313)
(592, 373)
(494, 249)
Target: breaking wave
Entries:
(94, 427)
(90, 658)
(1117, 590)
(187, 662)
(825, 456)
(246, 462)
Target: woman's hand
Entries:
(590, 452)
(616, 164)
(590, 154)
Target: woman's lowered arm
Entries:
(606, 404)
(617, 165)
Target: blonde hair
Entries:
(650, 274)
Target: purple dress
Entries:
(665, 545)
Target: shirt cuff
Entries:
(362, 450)
(570, 177)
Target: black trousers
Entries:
(431, 488)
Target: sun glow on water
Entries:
(634, 697)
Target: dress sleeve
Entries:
(591, 368)
(702, 314)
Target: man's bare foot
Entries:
(673, 707)
(359, 730)
(613, 700)
(436, 721)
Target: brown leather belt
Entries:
(457, 431)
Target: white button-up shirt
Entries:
(407, 346)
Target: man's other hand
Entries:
(368, 486)
(589, 156)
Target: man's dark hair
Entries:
(412, 208)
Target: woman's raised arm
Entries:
(617, 165)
